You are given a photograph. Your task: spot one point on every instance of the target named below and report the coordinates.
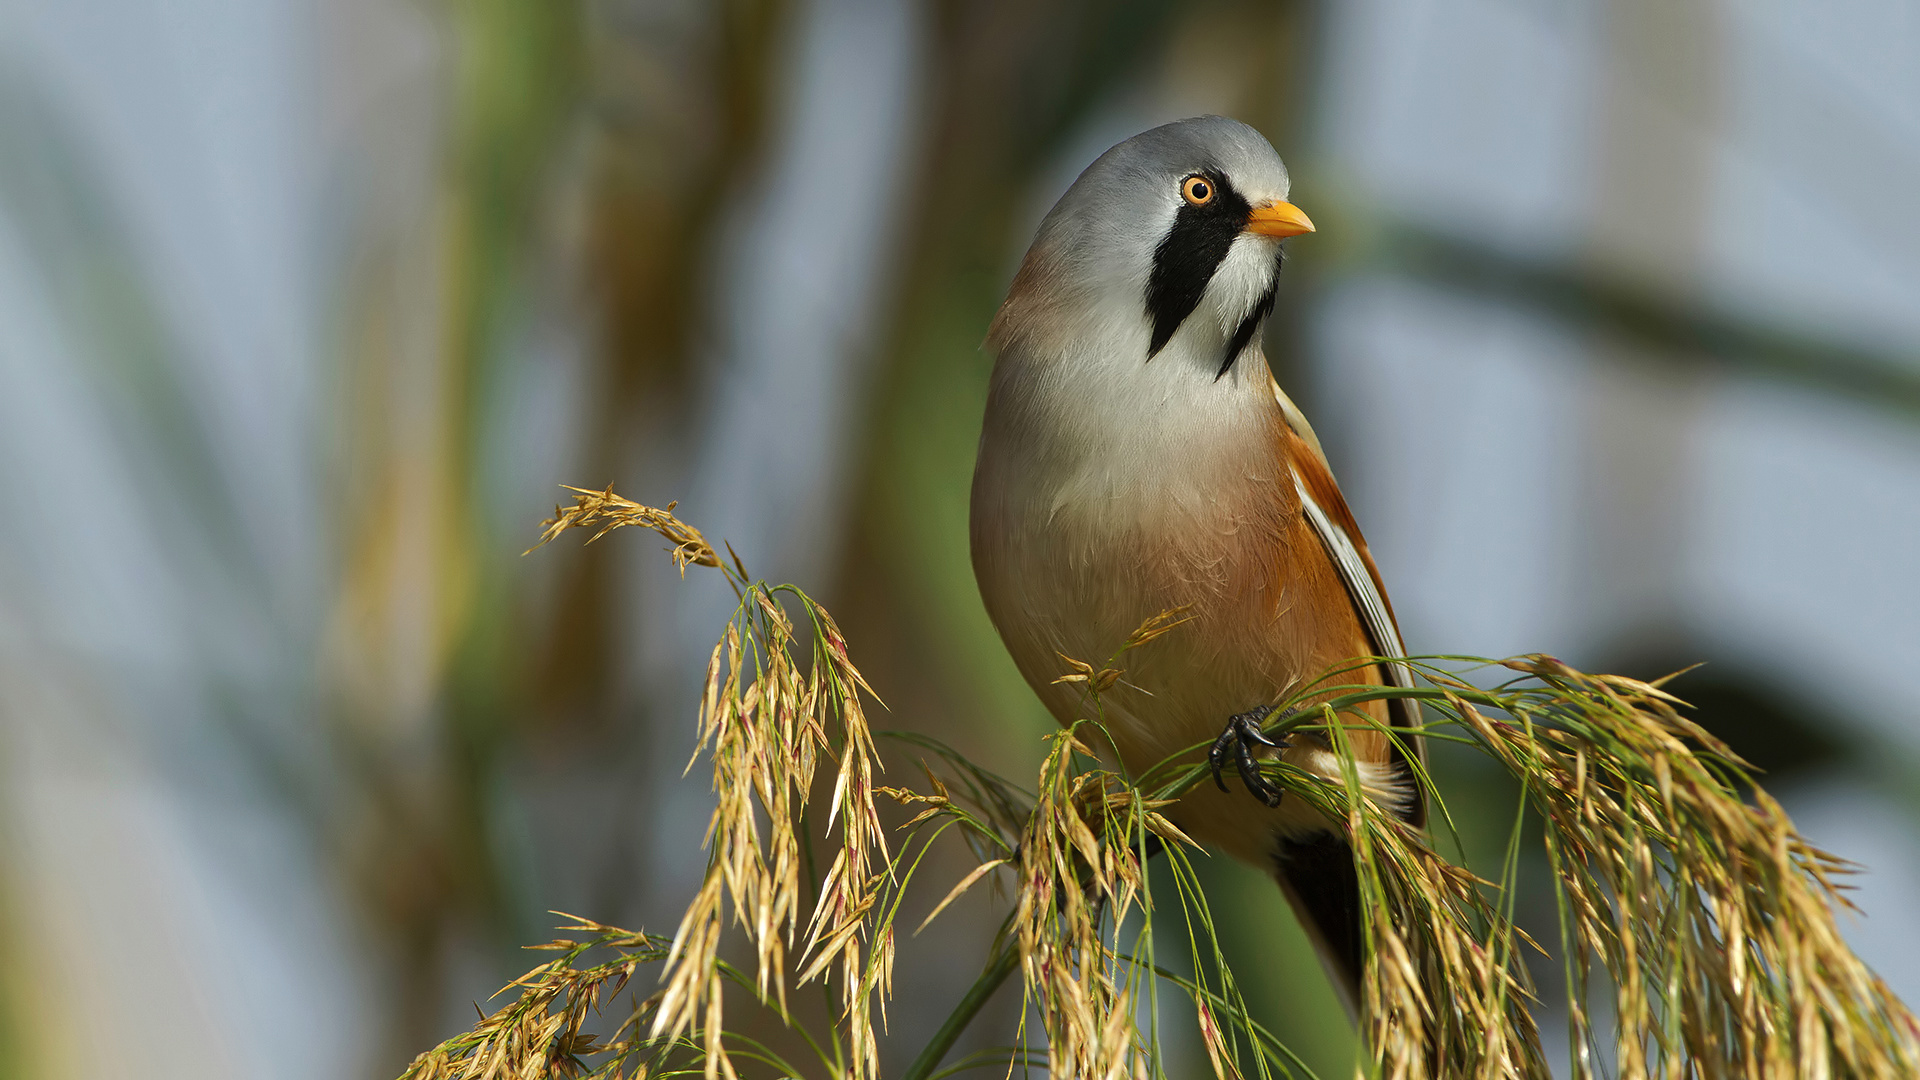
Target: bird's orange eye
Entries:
(1197, 190)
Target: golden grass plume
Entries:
(1687, 901)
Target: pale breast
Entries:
(1076, 546)
(1074, 551)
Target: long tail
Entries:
(1317, 874)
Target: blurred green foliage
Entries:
(571, 132)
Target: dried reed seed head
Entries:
(609, 512)
(1645, 831)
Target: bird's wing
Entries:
(1297, 420)
(1333, 522)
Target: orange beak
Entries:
(1278, 219)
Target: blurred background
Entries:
(1612, 330)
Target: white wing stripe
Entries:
(1366, 596)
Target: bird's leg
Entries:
(1242, 734)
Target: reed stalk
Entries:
(1688, 904)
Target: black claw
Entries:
(1242, 734)
(1217, 755)
(1257, 785)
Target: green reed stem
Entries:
(1001, 966)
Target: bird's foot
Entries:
(1242, 734)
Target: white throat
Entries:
(1078, 441)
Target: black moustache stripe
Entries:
(1186, 260)
(1249, 326)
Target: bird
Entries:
(1137, 457)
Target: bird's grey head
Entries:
(1171, 237)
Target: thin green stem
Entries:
(997, 970)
